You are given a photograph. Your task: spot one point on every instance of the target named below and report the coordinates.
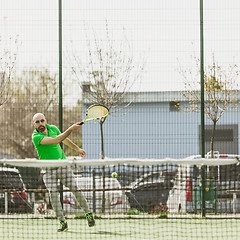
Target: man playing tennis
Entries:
(47, 139)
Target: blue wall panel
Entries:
(149, 130)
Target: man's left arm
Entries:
(73, 146)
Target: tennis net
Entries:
(145, 199)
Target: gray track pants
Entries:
(66, 176)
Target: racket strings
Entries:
(97, 112)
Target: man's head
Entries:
(39, 122)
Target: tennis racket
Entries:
(95, 112)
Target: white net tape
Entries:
(222, 159)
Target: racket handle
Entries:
(81, 123)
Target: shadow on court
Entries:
(97, 232)
(108, 233)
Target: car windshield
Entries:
(10, 180)
(156, 177)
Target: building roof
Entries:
(146, 97)
(151, 97)
(164, 96)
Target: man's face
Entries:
(40, 123)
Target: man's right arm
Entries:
(61, 136)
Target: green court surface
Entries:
(127, 229)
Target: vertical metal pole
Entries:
(202, 107)
(6, 202)
(94, 192)
(60, 66)
(60, 77)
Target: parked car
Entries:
(181, 197)
(150, 192)
(220, 184)
(13, 191)
(115, 198)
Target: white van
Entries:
(220, 185)
(115, 198)
(181, 196)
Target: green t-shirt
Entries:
(51, 151)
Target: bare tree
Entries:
(7, 69)
(220, 90)
(34, 91)
(110, 72)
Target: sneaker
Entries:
(63, 226)
(91, 221)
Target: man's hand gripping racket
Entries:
(95, 112)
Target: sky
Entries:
(163, 34)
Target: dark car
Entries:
(150, 192)
(13, 191)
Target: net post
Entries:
(94, 192)
(6, 202)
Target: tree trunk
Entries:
(212, 172)
(103, 168)
(212, 138)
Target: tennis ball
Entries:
(114, 174)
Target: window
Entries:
(220, 135)
(225, 139)
(174, 106)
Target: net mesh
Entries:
(148, 199)
(141, 59)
